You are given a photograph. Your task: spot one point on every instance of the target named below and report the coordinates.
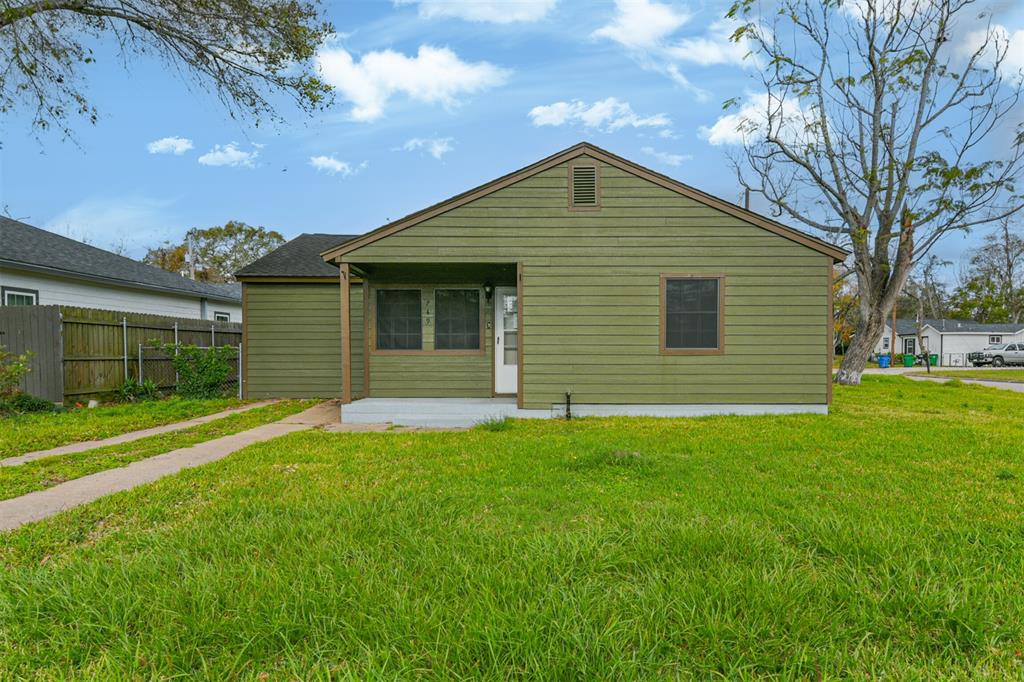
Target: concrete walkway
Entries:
(1004, 385)
(130, 436)
(43, 503)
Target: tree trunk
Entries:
(869, 331)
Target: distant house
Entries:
(583, 278)
(42, 268)
(951, 340)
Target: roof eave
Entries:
(128, 284)
(585, 148)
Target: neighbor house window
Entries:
(13, 296)
(885, 343)
(691, 314)
(910, 346)
(457, 319)
(399, 320)
(995, 339)
(221, 317)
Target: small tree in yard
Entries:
(12, 369)
(202, 372)
(869, 131)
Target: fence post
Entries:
(175, 355)
(124, 339)
(140, 363)
(239, 371)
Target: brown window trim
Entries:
(590, 163)
(371, 307)
(662, 284)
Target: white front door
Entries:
(506, 340)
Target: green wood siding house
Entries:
(582, 276)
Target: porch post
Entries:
(346, 335)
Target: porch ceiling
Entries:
(418, 273)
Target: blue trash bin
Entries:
(883, 361)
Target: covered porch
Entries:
(431, 331)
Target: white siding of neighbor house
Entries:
(951, 344)
(86, 294)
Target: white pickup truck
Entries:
(999, 354)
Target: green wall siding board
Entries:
(591, 297)
(294, 340)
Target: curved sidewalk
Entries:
(43, 503)
(130, 436)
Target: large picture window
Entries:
(691, 314)
(399, 319)
(457, 319)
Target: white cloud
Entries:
(607, 115)
(490, 11)
(1012, 41)
(230, 155)
(333, 166)
(642, 24)
(715, 47)
(169, 145)
(435, 75)
(667, 158)
(648, 31)
(137, 222)
(436, 146)
(752, 119)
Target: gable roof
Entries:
(298, 258)
(30, 248)
(907, 327)
(587, 149)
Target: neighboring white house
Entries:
(42, 268)
(951, 340)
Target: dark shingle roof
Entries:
(906, 326)
(24, 246)
(298, 258)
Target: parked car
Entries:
(998, 354)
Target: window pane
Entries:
(457, 319)
(691, 313)
(399, 325)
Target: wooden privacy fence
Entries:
(82, 353)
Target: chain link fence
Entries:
(155, 364)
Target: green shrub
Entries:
(202, 372)
(12, 369)
(495, 424)
(132, 391)
(20, 403)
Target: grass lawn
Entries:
(45, 473)
(883, 540)
(987, 374)
(40, 431)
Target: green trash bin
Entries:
(908, 359)
(933, 359)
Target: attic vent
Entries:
(583, 186)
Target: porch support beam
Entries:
(346, 334)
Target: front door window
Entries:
(506, 340)
(909, 346)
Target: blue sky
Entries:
(434, 97)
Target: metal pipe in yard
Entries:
(140, 363)
(239, 371)
(213, 336)
(175, 355)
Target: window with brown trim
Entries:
(457, 319)
(584, 186)
(691, 314)
(399, 319)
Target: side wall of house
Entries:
(591, 289)
(84, 294)
(293, 340)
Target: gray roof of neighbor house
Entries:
(298, 258)
(907, 326)
(30, 248)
